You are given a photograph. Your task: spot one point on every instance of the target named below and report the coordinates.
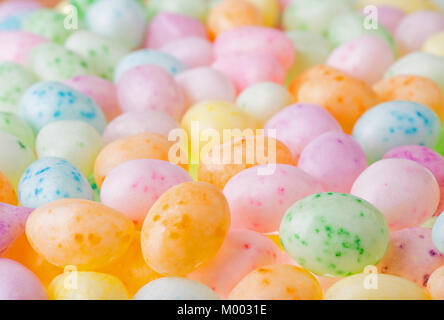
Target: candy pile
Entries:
(222, 149)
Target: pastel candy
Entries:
(437, 234)
(13, 220)
(47, 23)
(10, 8)
(17, 45)
(436, 283)
(7, 192)
(389, 17)
(193, 8)
(434, 44)
(16, 126)
(192, 51)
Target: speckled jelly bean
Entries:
(148, 57)
(13, 220)
(172, 288)
(17, 45)
(334, 234)
(49, 179)
(48, 24)
(14, 80)
(16, 126)
(404, 191)
(396, 123)
(48, 101)
(7, 192)
(193, 8)
(122, 20)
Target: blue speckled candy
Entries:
(438, 233)
(49, 179)
(48, 101)
(146, 56)
(393, 124)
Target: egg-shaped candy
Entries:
(367, 58)
(416, 27)
(47, 102)
(438, 234)
(50, 61)
(141, 146)
(79, 232)
(16, 126)
(136, 122)
(14, 80)
(412, 88)
(242, 252)
(264, 99)
(404, 191)
(435, 44)
(223, 161)
(396, 123)
(419, 64)
(98, 51)
(175, 288)
(247, 68)
(13, 220)
(49, 179)
(278, 282)
(17, 45)
(388, 16)
(47, 23)
(261, 209)
(76, 141)
(148, 57)
(134, 186)
(298, 124)
(411, 255)
(7, 192)
(365, 286)
(231, 14)
(192, 8)
(269, 10)
(185, 228)
(150, 87)
(122, 20)
(435, 284)
(192, 51)
(9, 8)
(84, 285)
(334, 234)
(101, 91)
(169, 26)
(205, 83)
(335, 160)
(15, 157)
(18, 283)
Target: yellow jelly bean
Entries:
(269, 9)
(435, 44)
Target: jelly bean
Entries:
(396, 123)
(136, 122)
(17, 45)
(141, 146)
(14, 22)
(299, 124)
(193, 8)
(81, 233)
(334, 234)
(10, 8)
(389, 17)
(192, 51)
(367, 58)
(404, 191)
(335, 160)
(7, 192)
(122, 20)
(47, 102)
(242, 252)
(18, 283)
(437, 235)
(16, 126)
(375, 287)
(436, 284)
(14, 80)
(434, 44)
(185, 228)
(87, 286)
(13, 220)
(269, 10)
(150, 87)
(278, 282)
(75, 141)
(262, 209)
(134, 186)
(172, 288)
(47, 23)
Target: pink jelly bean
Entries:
(256, 39)
(205, 83)
(242, 252)
(261, 208)
(134, 186)
(19, 283)
(167, 26)
(11, 8)
(102, 91)
(149, 87)
(12, 223)
(416, 28)
(403, 190)
(15, 46)
(245, 69)
(335, 159)
(192, 51)
(411, 255)
(367, 58)
(390, 17)
(298, 124)
(135, 122)
(429, 159)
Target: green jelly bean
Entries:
(16, 126)
(48, 24)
